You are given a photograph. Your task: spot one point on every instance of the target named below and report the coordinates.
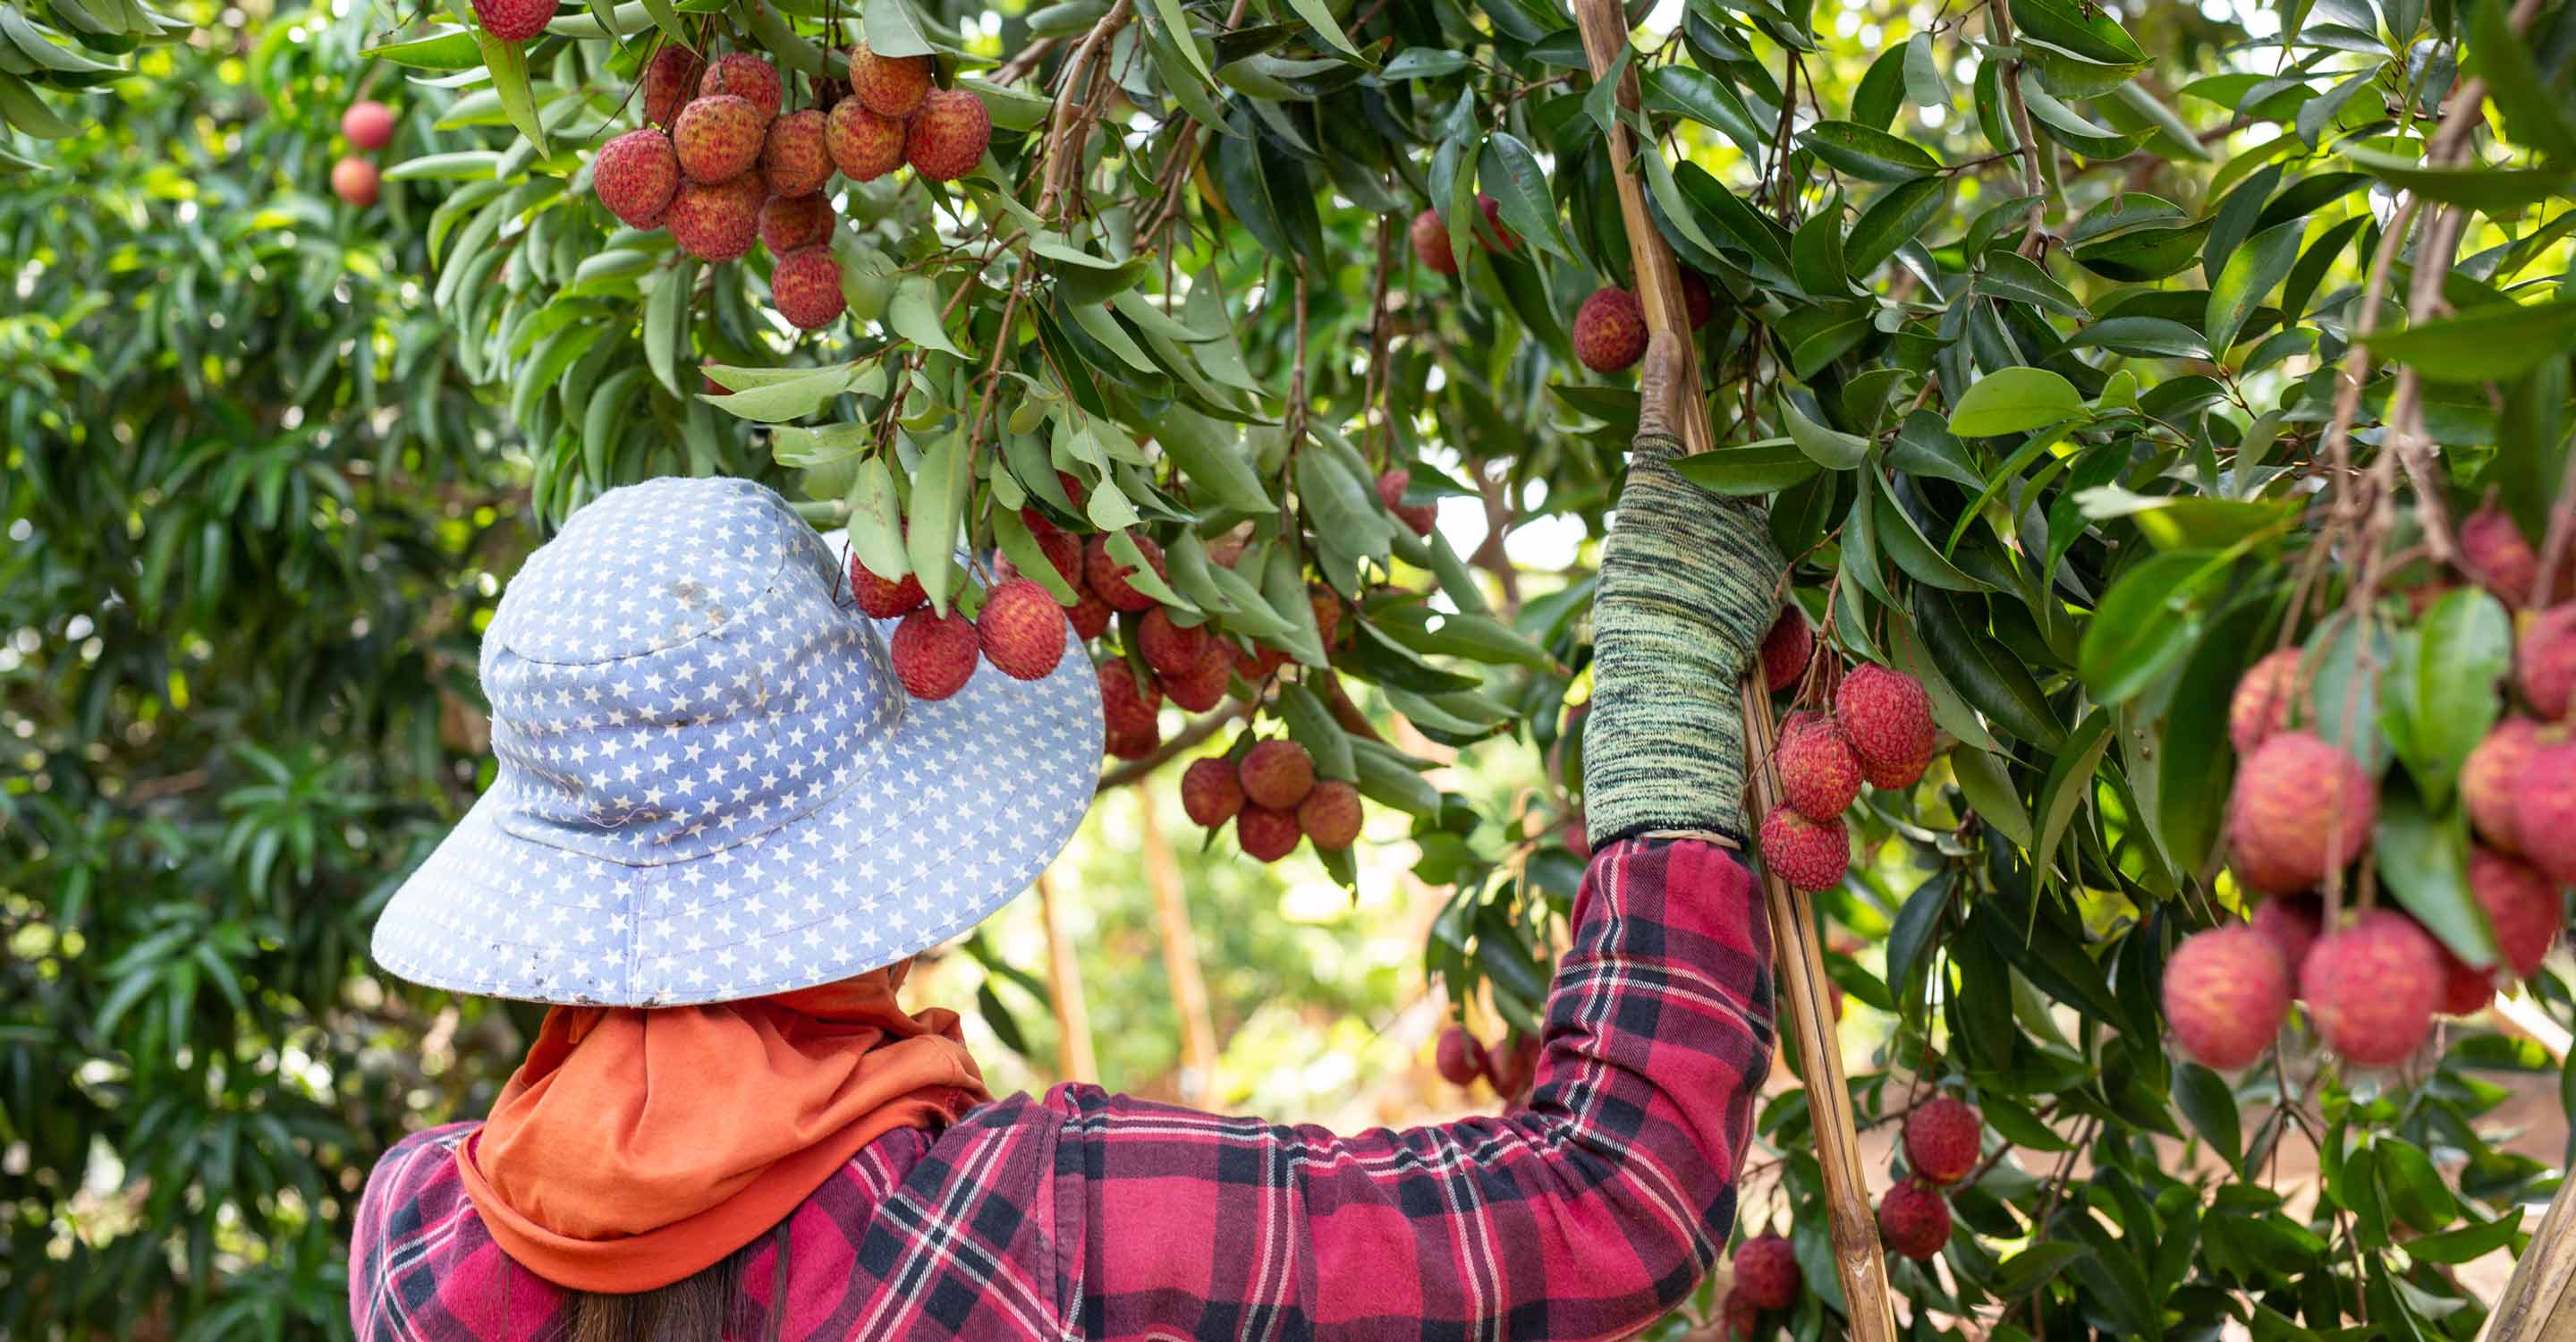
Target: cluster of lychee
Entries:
(1270, 792)
(1878, 732)
(368, 126)
(1508, 1066)
(733, 168)
(1020, 630)
(2303, 808)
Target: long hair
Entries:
(707, 1306)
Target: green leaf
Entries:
(2014, 400)
(2254, 271)
(2415, 1189)
(2463, 649)
(939, 485)
(1511, 174)
(1859, 151)
(1904, 543)
(2498, 341)
(2031, 1268)
(914, 315)
(1909, 941)
(2494, 190)
(1816, 253)
(1892, 220)
(443, 49)
(893, 30)
(1830, 448)
(1423, 63)
(2470, 1242)
(1312, 726)
(2142, 337)
(1988, 788)
(876, 521)
(1012, 535)
(2534, 115)
(1763, 467)
(508, 62)
(792, 398)
(2210, 1104)
(2069, 783)
(1986, 673)
(2424, 859)
(1924, 86)
(1925, 446)
(1319, 15)
(2148, 622)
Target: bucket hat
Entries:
(711, 786)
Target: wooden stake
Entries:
(1805, 994)
(1180, 954)
(1064, 984)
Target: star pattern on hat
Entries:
(711, 785)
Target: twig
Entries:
(1999, 17)
(1136, 769)
(1068, 122)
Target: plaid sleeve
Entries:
(1585, 1216)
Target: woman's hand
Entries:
(1688, 583)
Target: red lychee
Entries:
(2299, 809)
(1697, 302)
(1277, 774)
(636, 175)
(883, 600)
(934, 654)
(1808, 854)
(2225, 992)
(719, 222)
(1819, 774)
(1210, 792)
(355, 180)
(1021, 629)
(1787, 648)
(1108, 576)
(1431, 243)
(670, 80)
(1889, 720)
(2492, 775)
(948, 135)
(2465, 990)
(2372, 988)
(792, 155)
(2544, 663)
(1202, 686)
(791, 222)
(1264, 834)
(1915, 1221)
(1738, 1316)
(1510, 1064)
(1128, 706)
(863, 144)
(1328, 616)
(1419, 517)
(1133, 745)
(2261, 704)
(1460, 1057)
(2521, 905)
(368, 124)
(1170, 648)
(514, 20)
(1767, 1272)
(1941, 1139)
(2544, 810)
(806, 288)
(890, 86)
(1060, 548)
(2292, 923)
(1609, 331)
(718, 137)
(1090, 615)
(2500, 557)
(747, 77)
(1330, 814)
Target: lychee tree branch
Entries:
(1187, 738)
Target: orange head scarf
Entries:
(635, 1147)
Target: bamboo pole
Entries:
(1180, 954)
(1805, 992)
(1064, 986)
(2539, 1303)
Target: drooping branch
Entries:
(1137, 769)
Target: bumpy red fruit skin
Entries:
(1609, 331)
(1808, 854)
(806, 287)
(720, 222)
(1132, 745)
(356, 181)
(1108, 577)
(1941, 1140)
(747, 77)
(1889, 720)
(1767, 1272)
(1740, 1315)
(2372, 988)
(718, 137)
(368, 124)
(792, 154)
(883, 600)
(1787, 648)
(2521, 905)
(1330, 814)
(1266, 835)
(1915, 1221)
(1204, 685)
(1697, 302)
(2465, 990)
(1170, 648)
(2225, 993)
(948, 135)
(2544, 663)
(2261, 704)
(790, 222)
(1021, 629)
(514, 20)
(2544, 811)
(890, 86)
(934, 654)
(1126, 706)
(1420, 517)
(1431, 243)
(2292, 923)
(1090, 615)
(2499, 556)
(1819, 774)
(1460, 1056)
(2491, 777)
(1210, 792)
(670, 80)
(1328, 616)
(864, 145)
(636, 175)
(1277, 774)
(2299, 809)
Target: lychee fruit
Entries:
(1739, 1317)
(719, 222)
(1914, 1219)
(1808, 854)
(368, 124)
(1266, 835)
(1609, 331)
(670, 80)
(1021, 629)
(1819, 774)
(2500, 557)
(2292, 923)
(718, 136)
(1172, 649)
(2300, 808)
(636, 175)
(1941, 1139)
(1127, 706)
(890, 86)
(934, 654)
(1330, 814)
(1419, 517)
(1510, 1064)
(1202, 686)
(1210, 792)
(1108, 577)
(1060, 548)
(1698, 303)
(1431, 243)
(1787, 648)
(2544, 811)
(1767, 1272)
(2371, 989)
(2261, 704)
(514, 20)
(1460, 1057)
(2521, 905)
(1090, 615)
(747, 77)
(806, 288)
(1277, 774)
(792, 154)
(355, 180)
(2225, 993)
(864, 145)
(1132, 745)
(2544, 662)
(1328, 616)
(883, 600)
(790, 222)
(948, 135)
(2466, 990)
(1889, 720)
(2491, 776)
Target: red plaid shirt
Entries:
(1090, 1215)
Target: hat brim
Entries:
(952, 813)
